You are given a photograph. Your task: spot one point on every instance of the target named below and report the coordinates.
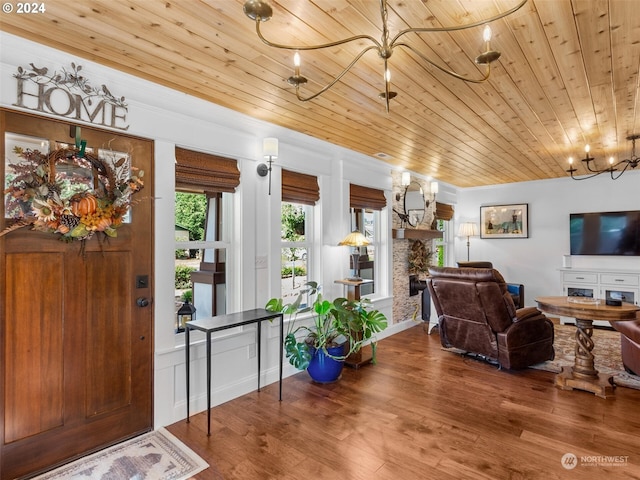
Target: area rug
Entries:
(155, 455)
(606, 352)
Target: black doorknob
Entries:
(142, 302)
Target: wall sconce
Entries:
(468, 229)
(405, 181)
(434, 191)
(270, 152)
(356, 240)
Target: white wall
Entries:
(535, 261)
(171, 118)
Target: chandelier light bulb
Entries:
(587, 148)
(296, 64)
(610, 160)
(570, 161)
(486, 34)
(387, 75)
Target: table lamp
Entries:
(356, 240)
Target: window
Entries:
(296, 237)
(366, 221)
(443, 216)
(366, 204)
(204, 188)
(440, 244)
(300, 192)
(201, 254)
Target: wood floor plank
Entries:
(421, 413)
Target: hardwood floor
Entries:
(421, 413)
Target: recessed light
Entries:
(384, 156)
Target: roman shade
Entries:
(299, 188)
(444, 211)
(366, 197)
(203, 172)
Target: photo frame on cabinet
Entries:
(504, 221)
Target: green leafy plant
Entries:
(183, 276)
(187, 296)
(334, 323)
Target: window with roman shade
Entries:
(366, 197)
(442, 215)
(299, 188)
(205, 185)
(366, 203)
(203, 172)
(443, 211)
(300, 192)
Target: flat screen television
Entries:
(605, 233)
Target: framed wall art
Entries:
(504, 221)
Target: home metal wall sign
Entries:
(69, 94)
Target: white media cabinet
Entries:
(602, 284)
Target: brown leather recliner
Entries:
(515, 289)
(630, 344)
(477, 315)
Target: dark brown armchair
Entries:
(516, 290)
(630, 344)
(477, 315)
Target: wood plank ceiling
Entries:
(568, 75)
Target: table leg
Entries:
(281, 351)
(259, 337)
(208, 384)
(583, 375)
(186, 355)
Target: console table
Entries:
(224, 322)
(583, 375)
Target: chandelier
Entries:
(261, 11)
(632, 162)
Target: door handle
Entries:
(142, 302)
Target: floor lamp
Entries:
(468, 229)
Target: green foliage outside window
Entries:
(183, 277)
(292, 222)
(293, 230)
(191, 213)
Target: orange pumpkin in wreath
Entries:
(85, 205)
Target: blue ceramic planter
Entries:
(324, 369)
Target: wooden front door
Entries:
(76, 332)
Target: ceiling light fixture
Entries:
(261, 11)
(632, 162)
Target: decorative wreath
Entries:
(85, 195)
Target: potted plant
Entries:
(338, 328)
